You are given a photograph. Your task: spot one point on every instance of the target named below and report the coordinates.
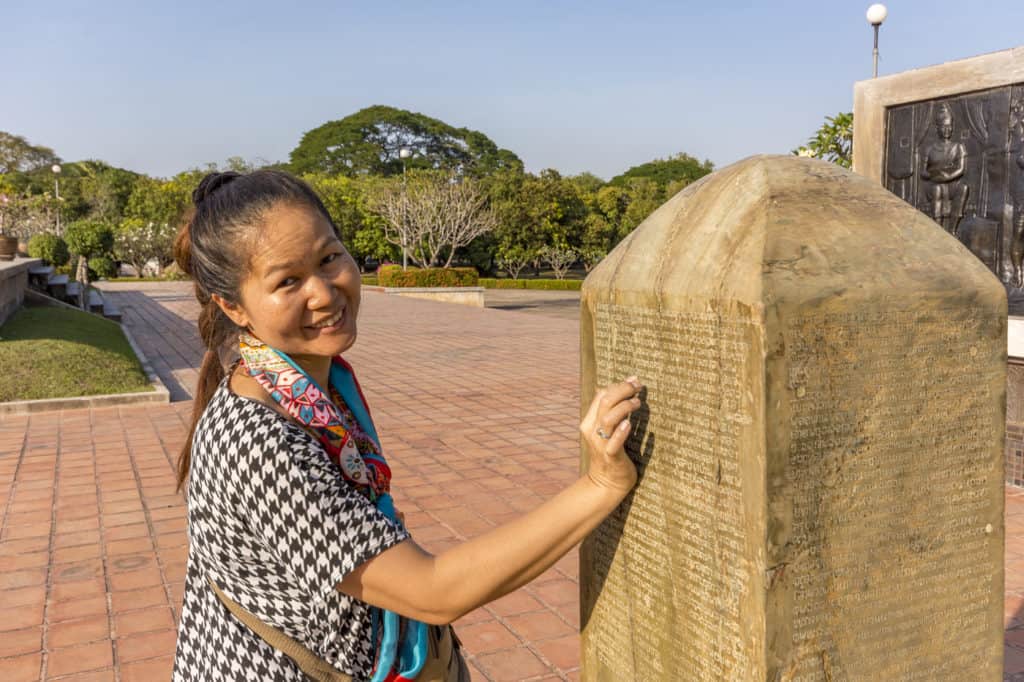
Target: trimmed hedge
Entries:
(394, 276)
(50, 248)
(543, 284)
(370, 280)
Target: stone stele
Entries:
(820, 447)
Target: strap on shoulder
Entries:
(313, 666)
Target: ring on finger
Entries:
(602, 434)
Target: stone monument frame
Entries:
(949, 87)
(871, 98)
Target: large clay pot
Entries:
(8, 247)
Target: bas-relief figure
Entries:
(960, 160)
(944, 164)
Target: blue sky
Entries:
(597, 86)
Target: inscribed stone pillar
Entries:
(820, 448)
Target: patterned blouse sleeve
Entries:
(302, 510)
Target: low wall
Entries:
(1014, 470)
(13, 283)
(473, 296)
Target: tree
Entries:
(18, 155)
(432, 215)
(24, 215)
(87, 239)
(137, 243)
(560, 259)
(598, 238)
(681, 167)
(369, 142)
(513, 258)
(556, 206)
(163, 202)
(103, 188)
(644, 196)
(832, 142)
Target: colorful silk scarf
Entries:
(340, 419)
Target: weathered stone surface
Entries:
(897, 133)
(821, 443)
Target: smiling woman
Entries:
(299, 565)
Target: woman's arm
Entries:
(409, 581)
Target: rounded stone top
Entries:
(771, 228)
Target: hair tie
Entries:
(211, 183)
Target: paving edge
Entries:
(159, 394)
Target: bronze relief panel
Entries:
(960, 160)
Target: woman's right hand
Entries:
(605, 429)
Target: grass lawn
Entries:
(59, 353)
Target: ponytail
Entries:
(216, 330)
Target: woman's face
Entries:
(303, 289)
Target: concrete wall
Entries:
(13, 282)
(473, 296)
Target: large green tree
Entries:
(347, 200)
(681, 167)
(163, 201)
(18, 155)
(370, 141)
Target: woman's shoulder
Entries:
(237, 417)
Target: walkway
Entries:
(479, 411)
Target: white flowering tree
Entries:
(138, 242)
(431, 215)
(559, 259)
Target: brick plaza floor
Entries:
(478, 411)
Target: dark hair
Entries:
(214, 248)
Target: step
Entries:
(95, 302)
(71, 292)
(111, 311)
(57, 285)
(37, 276)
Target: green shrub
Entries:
(50, 248)
(394, 276)
(370, 280)
(535, 284)
(103, 267)
(89, 238)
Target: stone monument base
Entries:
(1015, 421)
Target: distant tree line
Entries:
(370, 168)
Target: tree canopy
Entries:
(17, 154)
(369, 142)
(512, 219)
(673, 170)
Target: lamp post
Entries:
(876, 15)
(56, 191)
(404, 153)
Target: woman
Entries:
(288, 504)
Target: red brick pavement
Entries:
(478, 413)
